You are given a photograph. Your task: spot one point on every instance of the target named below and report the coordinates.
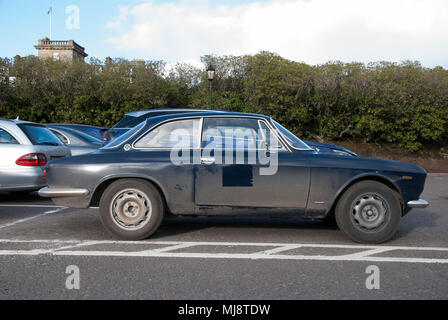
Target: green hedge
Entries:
(404, 104)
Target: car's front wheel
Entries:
(131, 209)
(369, 212)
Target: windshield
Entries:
(39, 135)
(295, 142)
(115, 143)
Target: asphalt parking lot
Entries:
(218, 258)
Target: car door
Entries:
(168, 149)
(276, 179)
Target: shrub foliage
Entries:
(403, 103)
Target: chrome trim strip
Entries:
(201, 129)
(63, 192)
(418, 203)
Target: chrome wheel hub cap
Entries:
(369, 211)
(131, 209)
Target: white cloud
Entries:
(313, 31)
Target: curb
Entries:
(438, 174)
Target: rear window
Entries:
(127, 122)
(39, 135)
(124, 137)
(83, 136)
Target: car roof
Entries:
(71, 131)
(15, 121)
(70, 125)
(207, 113)
(140, 113)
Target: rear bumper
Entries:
(22, 178)
(418, 204)
(62, 192)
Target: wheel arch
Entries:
(366, 177)
(106, 182)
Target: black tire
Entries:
(125, 198)
(369, 212)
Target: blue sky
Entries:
(26, 21)
(23, 22)
(312, 31)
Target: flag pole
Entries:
(51, 16)
(50, 12)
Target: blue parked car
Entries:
(228, 163)
(77, 141)
(97, 132)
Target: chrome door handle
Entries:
(208, 161)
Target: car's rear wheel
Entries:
(131, 209)
(369, 212)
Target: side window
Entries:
(234, 133)
(61, 137)
(6, 138)
(175, 134)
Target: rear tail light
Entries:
(32, 160)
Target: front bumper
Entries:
(418, 204)
(62, 192)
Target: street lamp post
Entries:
(211, 76)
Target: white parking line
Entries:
(28, 206)
(281, 249)
(154, 254)
(365, 254)
(31, 218)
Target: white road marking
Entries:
(150, 253)
(365, 255)
(280, 249)
(28, 206)
(30, 218)
(171, 248)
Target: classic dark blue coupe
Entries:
(226, 163)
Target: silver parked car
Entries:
(25, 149)
(78, 142)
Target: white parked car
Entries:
(25, 149)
